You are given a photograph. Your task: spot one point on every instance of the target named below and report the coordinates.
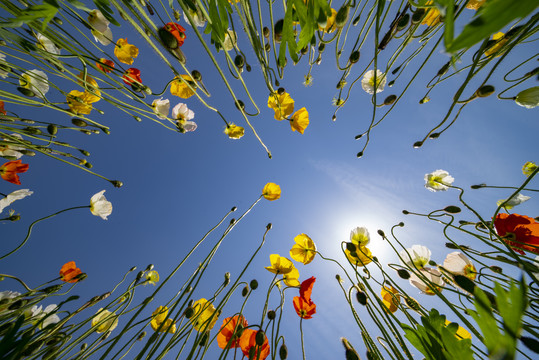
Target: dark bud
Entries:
(167, 39)
(418, 15)
(530, 343)
(196, 75)
(443, 69)
(359, 154)
(403, 274)
(267, 47)
(357, 137)
(350, 247)
(434, 135)
(321, 48)
(305, 50)
(245, 291)
(479, 186)
(390, 99)
(204, 339)
(189, 312)
(283, 352)
(253, 284)
(32, 348)
(248, 68)
(361, 298)
(14, 217)
(432, 263)
(401, 224)
(260, 337)
(391, 83)
(342, 16)
(271, 314)
(117, 183)
(278, 30)
(464, 283)
(84, 152)
(395, 70)
(26, 92)
(403, 22)
(238, 61)
(496, 269)
(266, 32)
(418, 144)
(381, 233)
(239, 105)
(79, 122)
(350, 352)
(51, 289)
(18, 304)
(451, 246)
(227, 278)
(88, 165)
(107, 131)
(269, 226)
(33, 131)
(354, 57)
(356, 21)
(280, 91)
(485, 91)
(52, 129)
(405, 212)
(513, 31)
(452, 209)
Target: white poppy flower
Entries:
(181, 112)
(438, 180)
(99, 206)
(190, 126)
(514, 201)
(459, 264)
(9, 294)
(3, 66)
(14, 196)
(417, 255)
(161, 108)
(360, 236)
(433, 276)
(43, 317)
(98, 21)
(230, 40)
(104, 38)
(12, 150)
(46, 44)
(367, 83)
(198, 20)
(36, 81)
(104, 320)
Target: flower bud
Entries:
(238, 61)
(321, 48)
(79, 122)
(196, 75)
(417, 144)
(479, 186)
(16, 217)
(269, 226)
(88, 165)
(418, 15)
(485, 90)
(464, 283)
(354, 57)
(227, 278)
(204, 339)
(278, 30)
(189, 312)
(403, 274)
(117, 183)
(496, 269)
(351, 247)
(26, 92)
(271, 314)
(18, 304)
(239, 105)
(167, 39)
(350, 352)
(51, 289)
(403, 22)
(390, 99)
(359, 154)
(245, 291)
(412, 303)
(381, 233)
(283, 352)
(361, 298)
(342, 16)
(266, 32)
(260, 337)
(141, 336)
(52, 129)
(253, 284)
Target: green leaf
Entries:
(529, 99)
(79, 5)
(490, 18)
(287, 36)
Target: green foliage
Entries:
(437, 341)
(218, 21)
(46, 11)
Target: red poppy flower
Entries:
(231, 331)
(2, 110)
(519, 231)
(105, 65)
(69, 272)
(132, 76)
(248, 342)
(9, 171)
(177, 31)
(304, 306)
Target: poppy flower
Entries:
(439, 180)
(160, 322)
(45, 44)
(100, 27)
(204, 311)
(2, 110)
(14, 196)
(161, 108)
(330, 23)
(433, 280)
(69, 272)
(9, 149)
(304, 250)
(300, 120)
(528, 168)
(181, 89)
(461, 332)
(390, 298)
(283, 105)
(499, 41)
(510, 203)
(304, 306)
(125, 52)
(361, 257)
(360, 236)
(519, 231)
(80, 102)
(230, 332)
(279, 265)
(367, 83)
(417, 255)
(105, 65)
(152, 277)
(9, 171)
(271, 191)
(432, 16)
(36, 81)
(104, 320)
(458, 264)
(234, 131)
(291, 278)
(248, 342)
(177, 31)
(132, 77)
(100, 206)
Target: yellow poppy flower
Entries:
(528, 168)
(104, 320)
(475, 4)
(204, 310)
(234, 131)
(330, 24)
(304, 250)
(152, 277)
(361, 257)
(125, 52)
(179, 88)
(271, 191)
(283, 105)
(300, 120)
(461, 333)
(292, 278)
(279, 265)
(159, 316)
(80, 102)
(500, 42)
(91, 85)
(432, 16)
(390, 298)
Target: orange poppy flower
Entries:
(2, 110)
(304, 306)
(105, 65)
(248, 342)
(230, 332)
(132, 76)
(519, 231)
(177, 31)
(9, 170)
(69, 272)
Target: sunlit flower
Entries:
(90, 85)
(432, 16)
(104, 320)
(43, 317)
(8, 295)
(105, 38)
(11, 150)
(508, 204)
(35, 81)
(152, 277)
(390, 298)
(519, 231)
(283, 105)
(44, 43)
(2, 109)
(69, 272)
(183, 115)
(234, 131)
(474, 4)
(300, 120)
(433, 278)
(9, 171)
(181, 89)
(461, 333)
(160, 322)
(161, 108)
(304, 250)
(14, 196)
(204, 310)
(361, 257)
(132, 76)
(3, 66)
(198, 17)
(99, 206)
(499, 42)
(105, 65)
(279, 265)
(330, 24)
(101, 30)
(81, 102)
(230, 40)
(304, 306)
(291, 278)
(248, 341)
(271, 191)
(528, 168)
(417, 255)
(230, 332)
(458, 264)
(125, 52)
(439, 180)
(360, 236)
(367, 83)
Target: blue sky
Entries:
(177, 186)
